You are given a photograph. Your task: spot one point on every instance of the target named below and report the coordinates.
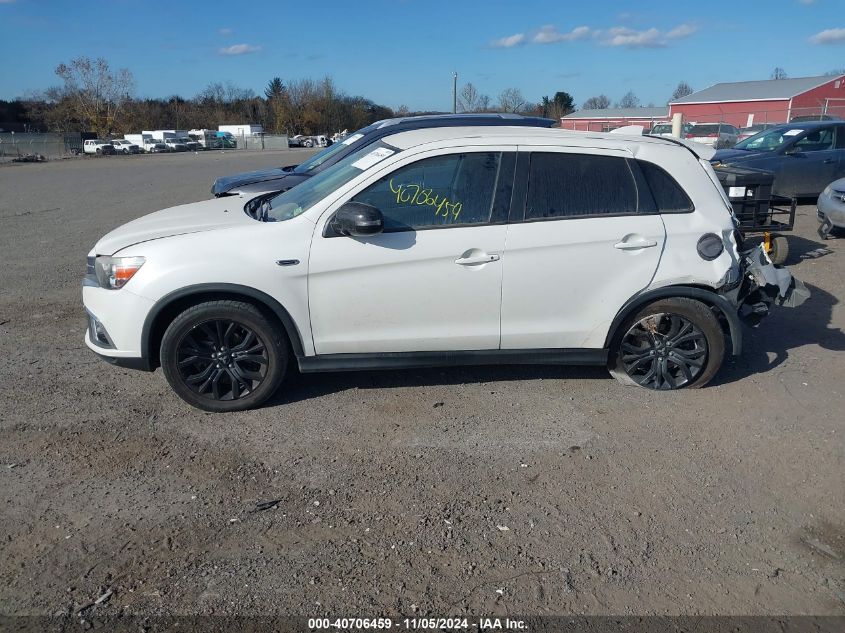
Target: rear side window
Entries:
(574, 185)
(667, 193)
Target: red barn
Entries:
(606, 119)
(745, 103)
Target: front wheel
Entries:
(670, 344)
(224, 356)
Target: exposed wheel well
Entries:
(168, 308)
(723, 310)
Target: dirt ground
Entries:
(497, 490)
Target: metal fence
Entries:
(55, 145)
(717, 113)
(28, 144)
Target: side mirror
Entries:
(357, 219)
(792, 151)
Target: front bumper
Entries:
(115, 324)
(832, 209)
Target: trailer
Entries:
(244, 129)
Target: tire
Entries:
(224, 356)
(99, 150)
(674, 343)
(779, 251)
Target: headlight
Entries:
(114, 272)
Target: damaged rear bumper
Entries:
(760, 285)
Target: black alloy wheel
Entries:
(224, 355)
(222, 360)
(664, 351)
(670, 344)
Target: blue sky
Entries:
(404, 51)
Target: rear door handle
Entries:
(634, 242)
(475, 260)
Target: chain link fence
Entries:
(52, 146)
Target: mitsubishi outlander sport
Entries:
(441, 246)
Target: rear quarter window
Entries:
(668, 195)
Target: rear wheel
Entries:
(224, 356)
(670, 344)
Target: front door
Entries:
(811, 163)
(432, 280)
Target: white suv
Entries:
(440, 246)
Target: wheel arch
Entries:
(169, 306)
(701, 293)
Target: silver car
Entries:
(831, 207)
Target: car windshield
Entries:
(663, 128)
(769, 140)
(318, 159)
(298, 200)
(703, 130)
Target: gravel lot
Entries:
(481, 491)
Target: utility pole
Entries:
(454, 92)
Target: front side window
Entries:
(572, 185)
(816, 140)
(455, 189)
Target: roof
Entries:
(483, 118)
(620, 113)
(522, 136)
(764, 90)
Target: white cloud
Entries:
(225, 32)
(649, 38)
(630, 38)
(550, 35)
(681, 31)
(239, 49)
(509, 42)
(829, 36)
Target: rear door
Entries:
(581, 246)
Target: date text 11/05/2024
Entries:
(431, 623)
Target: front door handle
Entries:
(476, 259)
(828, 161)
(634, 242)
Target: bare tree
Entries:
(470, 100)
(98, 95)
(596, 103)
(779, 73)
(682, 90)
(484, 103)
(628, 100)
(835, 72)
(511, 100)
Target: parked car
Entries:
(125, 147)
(831, 207)
(295, 140)
(665, 129)
(153, 146)
(751, 130)
(413, 252)
(280, 178)
(804, 157)
(175, 145)
(189, 143)
(98, 146)
(717, 135)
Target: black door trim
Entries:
(418, 360)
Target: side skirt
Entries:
(418, 360)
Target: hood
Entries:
(224, 184)
(732, 156)
(188, 218)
